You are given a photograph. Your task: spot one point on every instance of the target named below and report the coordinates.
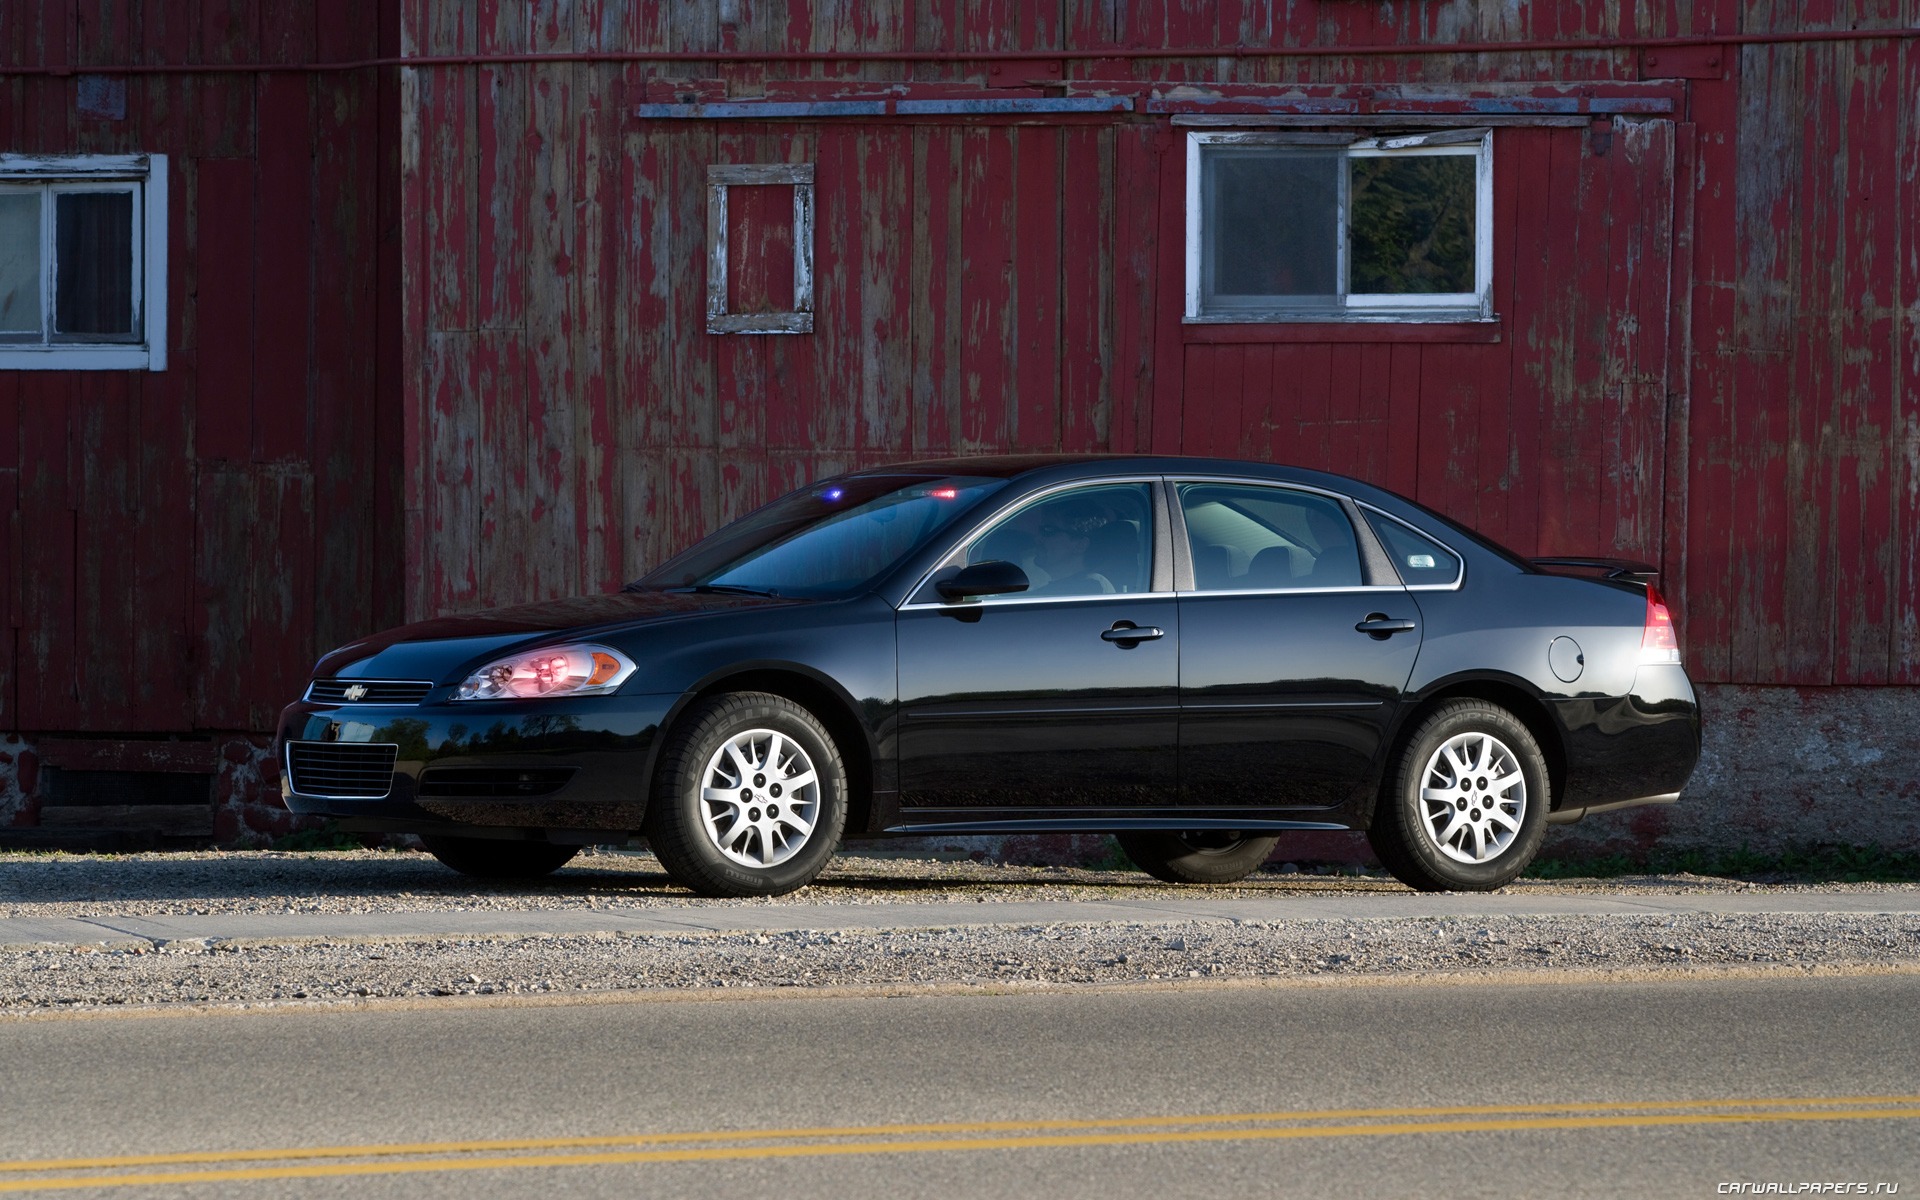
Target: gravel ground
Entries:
(1007, 956)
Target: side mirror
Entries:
(994, 578)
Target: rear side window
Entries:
(1420, 560)
(1244, 537)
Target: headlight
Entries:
(549, 672)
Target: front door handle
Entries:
(1128, 634)
(1380, 626)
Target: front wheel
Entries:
(750, 797)
(1467, 805)
(1199, 857)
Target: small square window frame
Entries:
(719, 179)
(147, 173)
(1474, 307)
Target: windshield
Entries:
(831, 539)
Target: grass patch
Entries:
(327, 837)
(1807, 864)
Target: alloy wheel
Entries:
(759, 798)
(1473, 797)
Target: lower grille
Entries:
(351, 770)
(368, 691)
(454, 783)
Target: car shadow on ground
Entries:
(405, 879)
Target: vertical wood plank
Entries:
(1523, 265)
(1402, 469)
(1170, 241)
(548, 526)
(285, 245)
(1087, 299)
(101, 465)
(884, 423)
(225, 502)
(498, 382)
(453, 553)
(1036, 272)
(224, 265)
(986, 289)
(590, 326)
(1904, 388)
(350, 529)
(1137, 183)
(935, 290)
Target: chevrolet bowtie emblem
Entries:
(356, 693)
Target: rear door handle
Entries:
(1381, 627)
(1127, 633)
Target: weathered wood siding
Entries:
(1707, 355)
(1709, 351)
(176, 545)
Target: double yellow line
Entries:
(218, 1166)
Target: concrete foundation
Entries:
(1782, 767)
(19, 782)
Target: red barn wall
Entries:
(1706, 354)
(437, 334)
(176, 544)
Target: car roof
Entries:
(1067, 466)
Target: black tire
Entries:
(498, 858)
(1198, 857)
(765, 855)
(1478, 813)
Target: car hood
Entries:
(428, 649)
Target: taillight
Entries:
(1658, 642)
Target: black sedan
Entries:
(1193, 655)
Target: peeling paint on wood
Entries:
(1708, 348)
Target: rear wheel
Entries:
(1467, 806)
(750, 797)
(498, 858)
(1204, 856)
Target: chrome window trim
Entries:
(988, 526)
(1459, 579)
(1175, 481)
(1333, 591)
(286, 764)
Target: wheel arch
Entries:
(1507, 692)
(820, 696)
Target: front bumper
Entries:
(465, 763)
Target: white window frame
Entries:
(1473, 306)
(146, 175)
(720, 177)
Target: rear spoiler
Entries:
(1612, 568)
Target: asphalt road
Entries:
(1668, 1088)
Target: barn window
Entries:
(83, 262)
(1329, 227)
(746, 289)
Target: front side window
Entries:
(82, 262)
(1245, 537)
(1315, 227)
(1085, 541)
